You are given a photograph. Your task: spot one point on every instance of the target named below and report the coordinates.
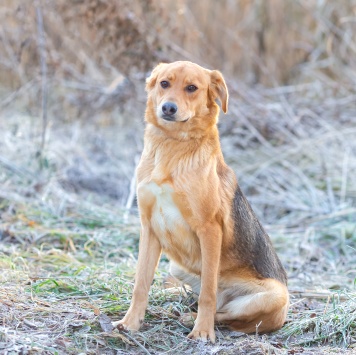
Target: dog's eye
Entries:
(191, 88)
(165, 84)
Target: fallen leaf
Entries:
(105, 323)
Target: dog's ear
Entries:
(151, 80)
(218, 89)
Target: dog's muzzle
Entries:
(169, 109)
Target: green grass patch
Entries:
(334, 324)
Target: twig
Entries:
(345, 164)
(318, 295)
(43, 58)
(132, 193)
(257, 326)
(137, 343)
(14, 63)
(81, 297)
(7, 164)
(11, 97)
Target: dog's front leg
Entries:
(210, 237)
(148, 256)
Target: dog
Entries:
(192, 209)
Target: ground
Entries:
(69, 228)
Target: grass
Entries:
(68, 261)
(334, 324)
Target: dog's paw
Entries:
(132, 326)
(202, 334)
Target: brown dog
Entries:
(192, 209)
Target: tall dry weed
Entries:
(270, 42)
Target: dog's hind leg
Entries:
(265, 310)
(181, 281)
(185, 278)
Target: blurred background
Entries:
(72, 100)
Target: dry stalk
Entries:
(43, 60)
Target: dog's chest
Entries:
(166, 218)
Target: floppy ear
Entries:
(218, 89)
(151, 80)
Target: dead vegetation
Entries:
(68, 231)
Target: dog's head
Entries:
(182, 95)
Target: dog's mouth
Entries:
(168, 118)
(172, 119)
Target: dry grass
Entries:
(68, 226)
(270, 42)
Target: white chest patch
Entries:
(166, 215)
(167, 220)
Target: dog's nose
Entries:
(169, 108)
